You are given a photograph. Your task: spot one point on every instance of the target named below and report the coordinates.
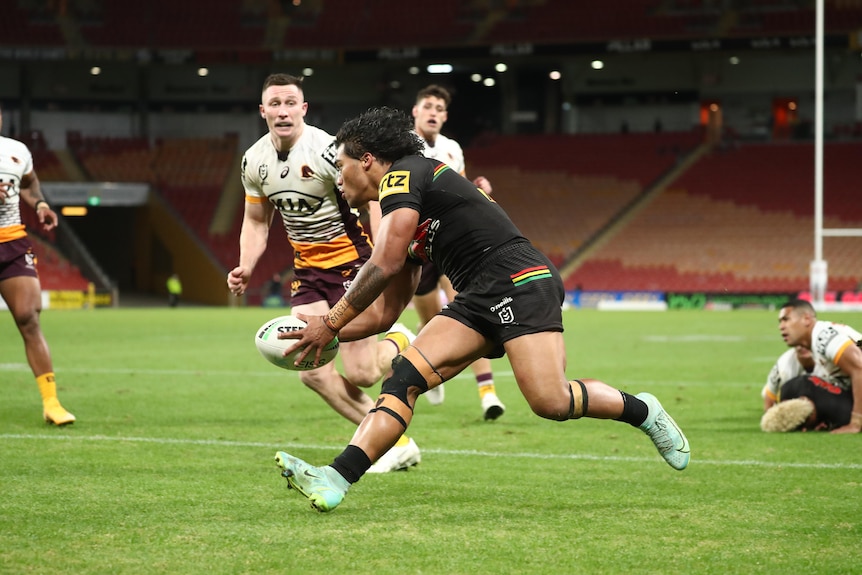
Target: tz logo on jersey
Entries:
(397, 182)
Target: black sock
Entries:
(352, 463)
(635, 411)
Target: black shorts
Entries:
(515, 291)
(834, 404)
(17, 259)
(312, 284)
(429, 279)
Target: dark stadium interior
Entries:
(683, 163)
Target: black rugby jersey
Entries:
(458, 223)
(833, 404)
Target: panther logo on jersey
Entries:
(417, 250)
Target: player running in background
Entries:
(430, 114)
(19, 281)
(509, 302)
(291, 170)
(834, 347)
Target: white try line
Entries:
(455, 452)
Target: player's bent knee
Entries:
(362, 377)
(317, 379)
(573, 405)
(404, 376)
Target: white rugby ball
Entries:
(271, 348)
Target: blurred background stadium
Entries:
(656, 150)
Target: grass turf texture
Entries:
(169, 468)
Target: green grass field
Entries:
(169, 469)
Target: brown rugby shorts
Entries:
(17, 259)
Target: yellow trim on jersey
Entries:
(255, 199)
(842, 350)
(12, 232)
(339, 251)
(397, 182)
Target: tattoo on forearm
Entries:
(369, 284)
(340, 314)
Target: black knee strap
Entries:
(392, 413)
(585, 400)
(404, 376)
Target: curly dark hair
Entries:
(386, 133)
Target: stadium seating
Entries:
(29, 24)
(741, 220)
(277, 258)
(56, 272)
(190, 174)
(561, 190)
(46, 163)
(233, 30)
(211, 25)
(391, 23)
(113, 159)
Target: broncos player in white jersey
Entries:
(429, 115)
(834, 347)
(291, 170)
(19, 281)
(790, 364)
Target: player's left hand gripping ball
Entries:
(271, 348)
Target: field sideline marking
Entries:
(467, 452)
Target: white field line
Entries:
(10, 437)
(275, 372)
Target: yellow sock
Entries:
(47, 386)
(399, 339)
(402, 441)
(485, 382)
